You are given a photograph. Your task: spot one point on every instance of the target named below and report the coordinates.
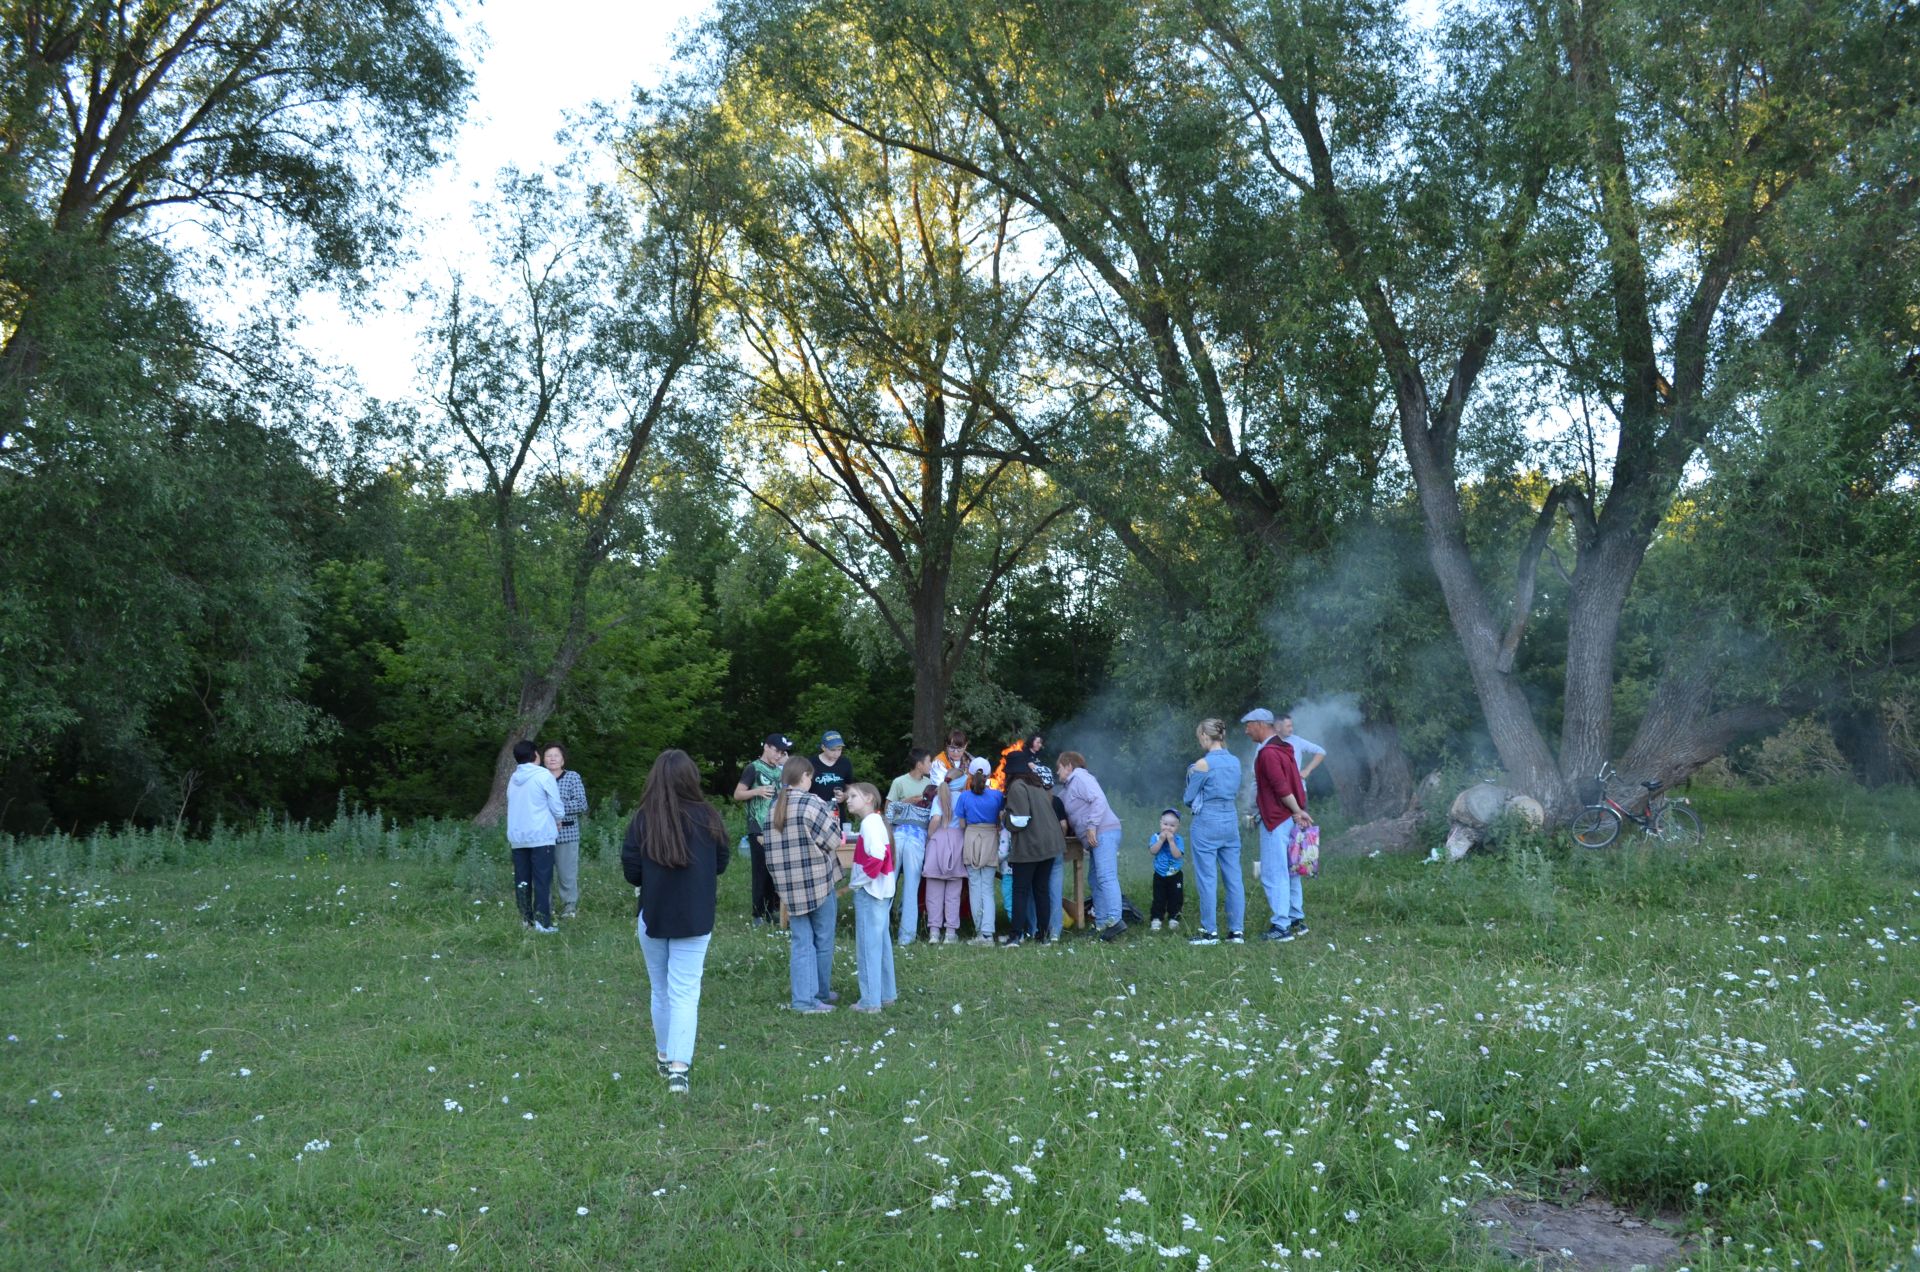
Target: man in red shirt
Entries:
(1282, 799)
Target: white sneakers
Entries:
(1154, 926)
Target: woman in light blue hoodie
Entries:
(534, 811)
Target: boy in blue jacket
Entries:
(1169, 851)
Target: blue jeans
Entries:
(1281, 885)
(872, 951)
(1053, 922)
(910, 851)
(533, 883)
(810, 953)
(674, 967)
(1216, 856)
(1105, 869)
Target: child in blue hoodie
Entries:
(534, 811)
(1169, 851)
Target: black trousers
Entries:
(533, 883)
(1033, 899)
(766, 901)
(1169, 894)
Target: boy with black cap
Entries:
(759, 783)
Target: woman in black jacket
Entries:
(675, 850)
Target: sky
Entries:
(537, 60)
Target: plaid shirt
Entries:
(803, 856)
(573, 798)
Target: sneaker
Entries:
(888, 1002)
(815, 1009)
(663, 1065)
(570, 913)
(831, 996)
(1275, 932)
(1154, 926)
(952, 937)
(526, 925)
(1113, 931)
(1013, 941)
(1299, 929)
(545, 929)
(1173, 925)
(1204, 937)
(865, 1010)
(1236, 938)
(677, 1082)
(981, 940)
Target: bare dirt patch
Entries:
(1583, 1233)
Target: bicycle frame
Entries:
(1656, 804)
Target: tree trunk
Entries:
(1516, 735)
(932, 661)
(538, 694)
(1680, 732)
(1601, 582)
(1370, 774)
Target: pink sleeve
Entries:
(873, 864)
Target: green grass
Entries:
(348, 1028)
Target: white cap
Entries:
(979, 765)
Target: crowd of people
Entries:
(953, 826)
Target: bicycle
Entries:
(1667, 819)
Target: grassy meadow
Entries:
(336, 1048)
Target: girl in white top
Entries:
(873, 882)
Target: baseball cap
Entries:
(779, 741)
(979, 765)
(1259, 715)
(830, 739)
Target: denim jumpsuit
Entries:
(1216, 837)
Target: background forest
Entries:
(1522, 387)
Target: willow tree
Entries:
(1600, 187)
(884, 304)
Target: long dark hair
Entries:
(671, 803)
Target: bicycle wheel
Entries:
(1680, 825)
(1596, 826)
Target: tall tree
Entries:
(567, 374)
(883, 300)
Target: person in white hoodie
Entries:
(534, 811)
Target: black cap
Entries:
(779, 740)
(1018, 762)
